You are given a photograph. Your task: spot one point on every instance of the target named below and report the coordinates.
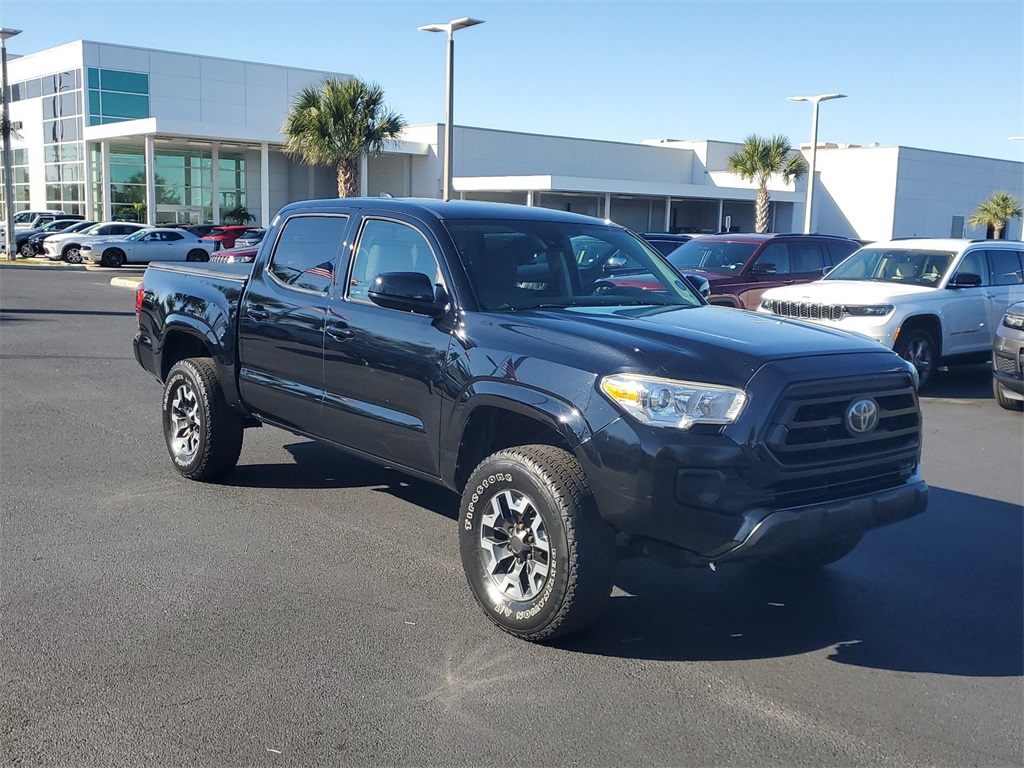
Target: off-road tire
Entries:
(216, 437)
(581, 548)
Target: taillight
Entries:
(138, 299)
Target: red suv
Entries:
(740, 267)
(224, 237)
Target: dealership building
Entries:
(112, 131)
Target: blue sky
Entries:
(947, 76)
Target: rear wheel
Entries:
(1004, 400)
(197, 255)
(537, 556)
(203, 433)
(112, 257)
(917, 346)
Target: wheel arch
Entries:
(497, 416)
(927, 322)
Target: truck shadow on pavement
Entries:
(961, 382)
(942, 593)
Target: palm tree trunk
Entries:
(348, 178)
(761, 211)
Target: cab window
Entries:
(390, 246)
(307, 250)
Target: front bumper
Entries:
(1008, 360)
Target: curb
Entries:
(126, 282)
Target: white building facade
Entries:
(111, 131)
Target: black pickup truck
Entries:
(482, 347)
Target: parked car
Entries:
(147, 245)
(1008, 360)
(29, 219)
(35, 242)
(251, 238)
(666, 242)
(21, 239)
(199, 230)
(225, 236)
(460, 343)
(236, 255)
(67, 246)
(934, 301)
(741, 267)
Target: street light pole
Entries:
(815, 100)
(9, 243)
(450, 28)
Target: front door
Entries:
(281, 322)
(383, 367)
(965, 315)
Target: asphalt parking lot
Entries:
(312, 609)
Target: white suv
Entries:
(928, 299)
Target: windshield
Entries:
(712, 256)
(515, 265)
(894, 265)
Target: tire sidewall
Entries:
(181, 374)
(495, 476)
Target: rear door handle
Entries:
(339, 331)
(257, 312)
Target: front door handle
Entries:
(339, 331)
(257, 312)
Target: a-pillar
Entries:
(264, 184)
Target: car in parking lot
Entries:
(1008, 360)
(250, 238)
(225, 236)
(22, 239)
(236, 255)
(741, 267)
(933, 301)
(67, 245)
(147, 245)
(36, 242)
(666, 242)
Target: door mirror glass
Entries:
(407, 292)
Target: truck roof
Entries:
(453, 209)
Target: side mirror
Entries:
(763, 268)
(407, 292)
(699, 284)
(965, 280)
(615, 262)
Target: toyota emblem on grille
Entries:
(862, 416)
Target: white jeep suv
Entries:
(928, 299)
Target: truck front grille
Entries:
(810, 427)
(805, 310)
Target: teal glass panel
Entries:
(94, 77)
(127, 82)
(94, 103)
(125, 105)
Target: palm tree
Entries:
(758, 160)
(338, 123)
(996, 212)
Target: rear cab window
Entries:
(306, 252)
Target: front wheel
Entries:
(203, 433)
(72, 254)
(917, 347)
(537, 556)
(112, 258)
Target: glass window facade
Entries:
(19, 179)
(115, 96)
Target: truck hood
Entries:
(849, 292)
(708, 343)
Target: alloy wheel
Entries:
(186, 423)
(517, 553)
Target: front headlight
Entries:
(870, 310)
(668, 403)
(1013, 320)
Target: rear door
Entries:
(382, 367)
(281, 321)
(1007, 284)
